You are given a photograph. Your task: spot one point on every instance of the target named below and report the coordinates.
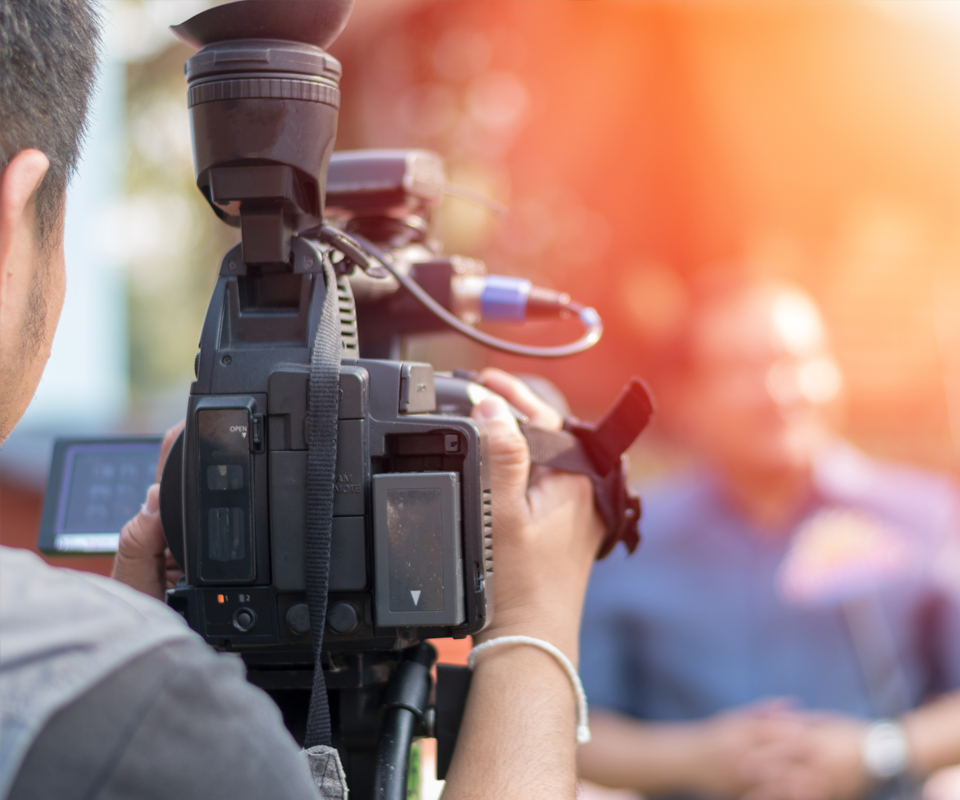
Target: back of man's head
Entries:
(48, 62)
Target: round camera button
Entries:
(298, 619)
(343, 618)
(244, 619)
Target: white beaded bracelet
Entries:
(583, 729)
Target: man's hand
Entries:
(143, 560)
(545, 530)
(809, 756)
(765, 751)
(705, 757)
(518, 732)
(768, 751)
(723, 745)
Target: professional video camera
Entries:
(328, 502)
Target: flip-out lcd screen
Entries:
(95, 487)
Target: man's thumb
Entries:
(140, 561)
(509, 454)
(142, 537)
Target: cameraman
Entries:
(104, 692)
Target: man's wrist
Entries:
(520, 640)
(885, 750)
(560, 634)
(696, 744)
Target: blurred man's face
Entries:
(762, 383)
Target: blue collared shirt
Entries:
(711, 613)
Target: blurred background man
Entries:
(789, 628)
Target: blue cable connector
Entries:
(504, 299)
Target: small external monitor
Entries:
(95, 487)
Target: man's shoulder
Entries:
(677, 503)
(53, 615)
(154, 728)
(674, 508)
(31, 590)
(907, 496)
(60, 633)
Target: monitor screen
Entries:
(95, 488)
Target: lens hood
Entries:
(314, 22)
(264, 99)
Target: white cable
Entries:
(583, 728)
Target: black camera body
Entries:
(411, 551)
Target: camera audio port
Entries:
(244, 619)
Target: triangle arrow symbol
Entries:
(415, 593)
(243, 434)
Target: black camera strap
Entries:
(597, 451)
(323, 412)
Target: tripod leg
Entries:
(393, 754)
(404, 707)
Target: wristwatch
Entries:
(885, 750)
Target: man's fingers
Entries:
(143, 535)
(168, 439)
(520, 396)
(768, 763)
(509, 459)
(798, 783)
(507, 446)
(140, 561)
(766, 707)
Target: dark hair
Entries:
(48, 64)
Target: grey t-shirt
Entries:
(178, 721)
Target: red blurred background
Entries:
(637, 143)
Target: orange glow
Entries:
(638, 145)
(221, 599)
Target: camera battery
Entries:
(416, 520)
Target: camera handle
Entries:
(597, 452)
(359, 251)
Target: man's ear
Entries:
(19, 181)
